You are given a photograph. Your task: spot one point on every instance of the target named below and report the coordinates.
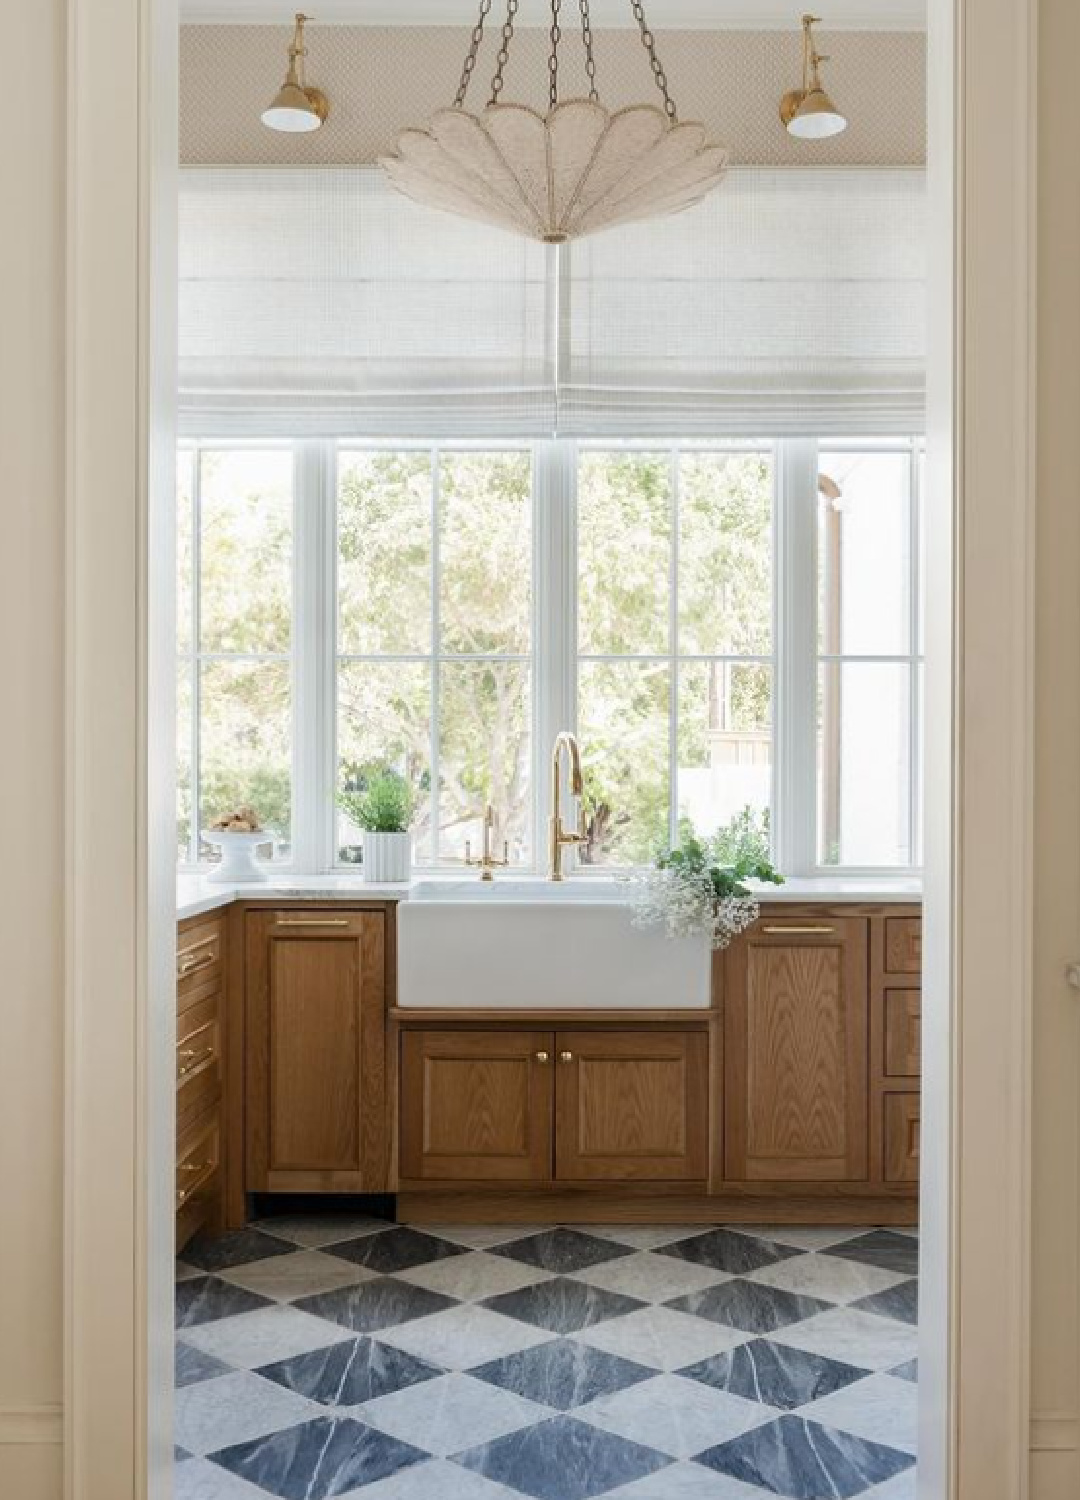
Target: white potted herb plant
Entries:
(381, 804)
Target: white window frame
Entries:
(794, 660)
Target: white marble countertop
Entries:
(197, 894)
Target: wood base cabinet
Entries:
(316, 1100)
(540, 1108)
(200, 1059)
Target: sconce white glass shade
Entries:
(816, 118)
(292, 110)
(559, 176)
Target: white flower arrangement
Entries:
(697, 888)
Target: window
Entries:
(675, 626)
(234, 640)
(434, 640)
(869, 655)
(732, 628)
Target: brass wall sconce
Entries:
(296, 108)
(808, 113)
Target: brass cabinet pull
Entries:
(565, 1057)
(313, 922)
(187, 963)
(203, 1166)
(799, 931)
(191, 1035)
(543, 1057)
(196, 1060)
(202, 1174)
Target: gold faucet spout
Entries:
(558, 837)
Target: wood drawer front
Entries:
(901, 1137)
(200, 954)
(199, 1063)
(631, 1106)
(476, 1106)
(903, 945)
(198, 1161)
(903, 1033)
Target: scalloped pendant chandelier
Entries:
(569, 173)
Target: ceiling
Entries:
(743, 15)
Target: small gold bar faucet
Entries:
(558, 838)
(487, 861)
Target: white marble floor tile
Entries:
(261, 1338)
(315, 1230)
(854, 1337)
(451, 1414)
(651, 1278)
(438, 1480)
(198, 1479)
(825, 1276)
(474, 1276)
(286, 1277)
(880, 1409)
(675, 1416)
(645, 1236)
(234, 1408)
(483, 1236)
(462, 1337)
(662, 1338)
(687, 1481)
(802, 1236)
(900, 1487)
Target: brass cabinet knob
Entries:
(542, 1057)
(565, 1057)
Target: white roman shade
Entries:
(318, 301)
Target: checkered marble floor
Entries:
(345, 1357)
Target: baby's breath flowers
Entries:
(697, 888)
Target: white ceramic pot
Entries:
(238, 863)
(387, 857)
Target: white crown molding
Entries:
(684, 15)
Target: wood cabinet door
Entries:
(315, 1041)
(631, 1105)
(476, 1106)
(796, 1059)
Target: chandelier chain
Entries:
(590, 60)
(649, 43)
(553, 60)
(471, 56)
(504, 51)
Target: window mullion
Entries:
(795, 794)
(555, 643)
(313, 646)
(195, 660)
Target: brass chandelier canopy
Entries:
(564, 174)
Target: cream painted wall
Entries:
(1056, 1100)
(31, 758)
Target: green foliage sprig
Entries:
(724, 862)
(378, 799)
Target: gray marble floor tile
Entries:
(349, 1373)
(199, 1479)
(222, 1251)
(259, 1338)
(774, 1374)
(465, 1335)
(485, 1236)
(650, 1277)
(907, 1371)
(305, 1273)
(327, 1456)
(474, 1275)
(191, 1365)
(383, 1302)
(662, 1338)
(313, 1231)
(750, 1306)
(804, 1461)
(437, 1479)
(880, 1409)
(882, 1247)
(563, 1250)
(901, 1302)
(562, 1459)
(455, 1412)
(184, 1272)
(233, 1409)
(802, 1236)
(854, 1338)
(828, 1277)
(725, 1250)
(687, 1481)
(206, 1299)
(675, 1416)
(395, 1249)
(562, 1305)
(646, 1236)
(563, 1374)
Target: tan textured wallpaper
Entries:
(380, 79)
